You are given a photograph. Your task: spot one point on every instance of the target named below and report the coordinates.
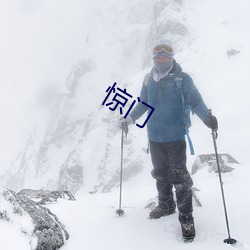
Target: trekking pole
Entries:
(229, 240)
(119, 211)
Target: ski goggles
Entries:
(163, 50)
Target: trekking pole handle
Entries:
(125, 128)
(214, 132)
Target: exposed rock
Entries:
(47, 229)
(79, 70)
(44, 196)
(168, 23)
(209, 160)
(132, 169)
(232, 52)
(71, 177)
(152, 203)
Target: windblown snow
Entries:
(58, 58)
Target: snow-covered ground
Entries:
(34, 65)
(12, 238)
(93, 224)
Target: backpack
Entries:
(186, 108)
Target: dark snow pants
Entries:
(169, 162)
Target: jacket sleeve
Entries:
(140, 108)
(193, 98)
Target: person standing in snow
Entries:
(166, 133)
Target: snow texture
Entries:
(59, 57)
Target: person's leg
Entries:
(180, 178)
(164, 187)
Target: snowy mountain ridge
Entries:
(78, 149)
(58, 156)
(56, 159)
(80, 141)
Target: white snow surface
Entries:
(29, 70)
(93, 223)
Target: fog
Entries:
(40, 42)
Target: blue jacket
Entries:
(166, 123)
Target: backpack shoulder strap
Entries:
(178, 80)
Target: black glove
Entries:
(211, 122)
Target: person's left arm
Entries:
(193, 97)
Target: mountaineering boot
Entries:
(188, 232)
(187, 227)
(160, 211)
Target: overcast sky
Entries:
(40, 41)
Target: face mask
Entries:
(163, 67)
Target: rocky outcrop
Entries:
(43, 197)
(209, 161)
(45, 231)
(168, 23)
(152, 203)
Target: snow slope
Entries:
(94, 225)
(214, 49)
(216, 28)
